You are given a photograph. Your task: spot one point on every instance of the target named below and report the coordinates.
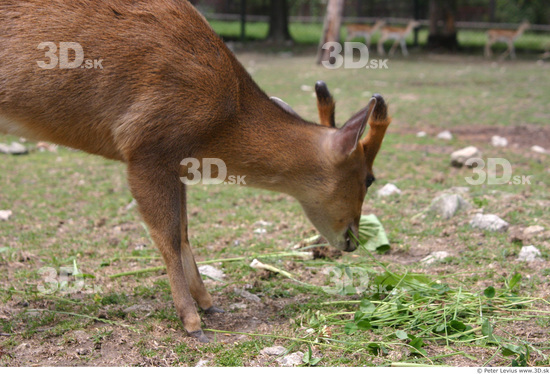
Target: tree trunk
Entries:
(278, 22)
(442, 25)
(331, 28)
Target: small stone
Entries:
(421, 134)
(539, 149)
(445, 135)
(236, 306)
(533, 231)
(138, 308)
(5, 215)
(435, 256)
(262, 223)
(447, 206)
(388, 190)
(499, 141)
(82, 351)
(529, 254)
(13, 149)
(306, 88)
(211, 272)
(489, 222)
(260, 231)
(247, 295)
(293, 359)
(459, 158)
(273, 351)
(202, 363)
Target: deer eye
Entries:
(369, 180)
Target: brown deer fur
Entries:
(170, 89)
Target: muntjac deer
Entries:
(507, 36)
(399, 34)
(169, 89)
(365, 31)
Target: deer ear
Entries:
(287, 108)
(346, 139)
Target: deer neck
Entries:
(270, 148)
(409, 28)
(376, 26)
(520, 31)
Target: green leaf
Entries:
(376, 349)
(457, 325)
(510, 350)
(350, 327)
(487, 330)
(367, 307)
(440, 328)
(364, 325)
(489, 292)
(417, 343)
(401, 334)
(514, 280)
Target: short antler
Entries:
(378, 123)
(325, 104)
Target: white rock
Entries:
(5, 215)
(13, 149)
(260, 231)
(421, 134)
(529, 254)
(388, 190)
(247, 295)
(211, 272)
(273, 351)
(459, 158)
(499, 141)
(202, 363)
(539, 149)
(533, 230)
(306, 88)
(447, 206)
(445, 135)
(293, 359)
(238, 306)
(262, 223)
(489, 222)
(435, 256)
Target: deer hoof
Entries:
(214, 309)
(199, 335)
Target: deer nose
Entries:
(351, 240)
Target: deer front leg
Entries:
(194, 280)
(488, 51)
(157, 192)
(512, 49)
(394, 47)
(404, 47)
(380, 45)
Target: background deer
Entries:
(170, 89)
(399, 34)
(365, 31)
(507, 36)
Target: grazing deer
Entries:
(399, 34)
(170, 89)
(507, 36)
(365, 31)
